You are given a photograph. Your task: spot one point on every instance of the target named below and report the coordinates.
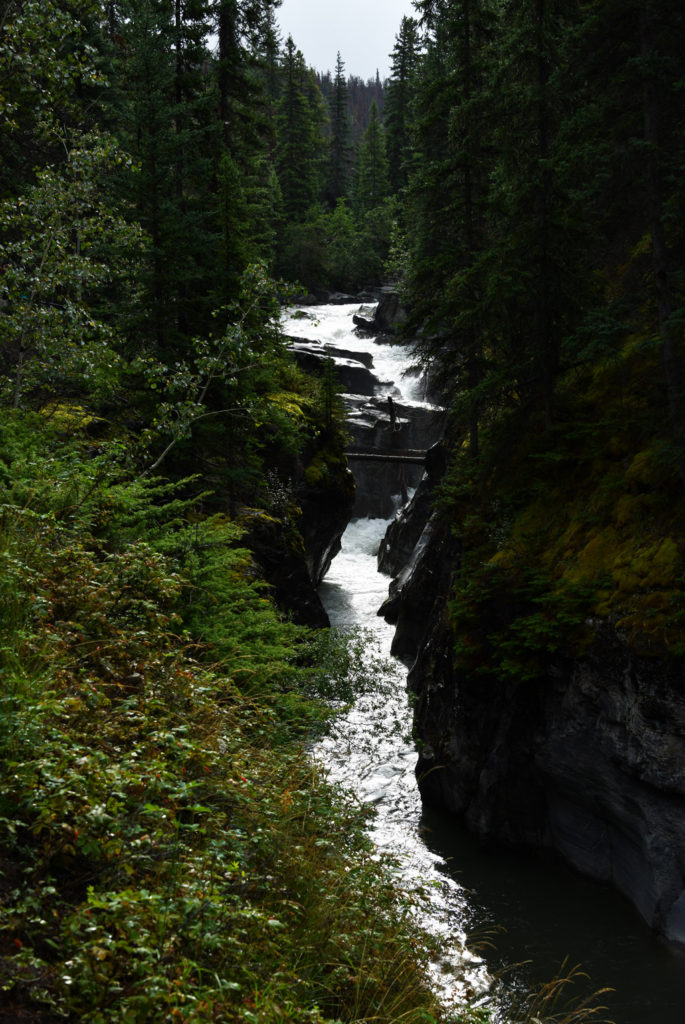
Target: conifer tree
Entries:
(299, 143)
(340, 150)
(448, 196)
(630, 75)
(165, 116)
(537, 260)
(371, 181)
(398, 107)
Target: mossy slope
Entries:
(565, 526)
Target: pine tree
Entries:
(630, 73)
(400, 95)
(537, 263)
(371, 180)
(662, 70)
(301, 120)
(299, 141)
(448, 200)
(340, 151)
(166, 119)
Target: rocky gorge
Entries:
(587, 761)
(583, 762)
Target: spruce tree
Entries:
(398, 107)
(448, 197)
(340, 151)
(371, 179)
(630, 75)
(298, 133)
(166, 119)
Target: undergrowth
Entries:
(168, 849)
(168, 852)
(564, 529)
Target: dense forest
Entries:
(167, 849)
(544, 249)
(172, 172)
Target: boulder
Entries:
(385, 319)
(390, 312)
(367, 325)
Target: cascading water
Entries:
(549, 912)
(370, 750)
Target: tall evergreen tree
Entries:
(630, 74)
(400, 94)
(166, 120)
(448, 198)
(248, 197)
(299, 142)
(662, 70)
(340, 150)
(371, 180)
(301, 120)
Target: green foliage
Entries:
(340, 148)
(168, 850)
(543, 275)
(300, 119)
(46, 68)
(229, 382)
(66, 243)
(372, 184)
(561, 533)
(399, 106)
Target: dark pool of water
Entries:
(549, 914)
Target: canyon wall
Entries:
(588, 760)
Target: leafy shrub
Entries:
(167, 849)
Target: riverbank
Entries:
(168, 850)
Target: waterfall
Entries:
(369, 749)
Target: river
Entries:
(535, 912)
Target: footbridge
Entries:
(409, 456)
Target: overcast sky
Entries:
(363, 31)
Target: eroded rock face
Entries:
(589, 761)
(612, 760)
(419, 552)
(280, 555)
(326, 511)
